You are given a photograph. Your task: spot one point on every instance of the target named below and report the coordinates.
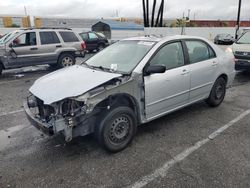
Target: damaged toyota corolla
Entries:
(131, 82)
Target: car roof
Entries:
(154, 38)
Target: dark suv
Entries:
(26, 47)
(94, 41)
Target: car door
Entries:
(25, 48)
(203, 65)
(167, 91)
(93, 41)
(49, 44)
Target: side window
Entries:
(170, 55)
(211, 52)
(26, 39)
(198, 51)
(49, 37)
(84, 36)
(68, 36)
(93, 36)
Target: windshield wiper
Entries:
(103, 68)
(84, 63)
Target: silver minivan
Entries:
(26, 47)
(129, 83)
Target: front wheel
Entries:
(116, 129)
(66, 60)
(217, 93)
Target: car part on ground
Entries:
(94, 40)
(27, 47)
(143, 79)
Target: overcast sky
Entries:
(202, 9)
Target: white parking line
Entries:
(162, 171)
(9, 113)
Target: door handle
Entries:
(58, 46)
(214, 63)
(184, 72)
(34, 48)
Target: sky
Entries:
(199, 9)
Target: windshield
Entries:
(244, 39)
(122, 56)
(8, 36)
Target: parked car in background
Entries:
(224, 39)
(26, 47)
(131, 82)
(94, 40)
(241, 51)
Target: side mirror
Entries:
(152, 69)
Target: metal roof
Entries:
(116, 25)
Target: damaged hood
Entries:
(69, 82)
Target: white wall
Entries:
(206, 32)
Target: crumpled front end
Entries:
(60, 117)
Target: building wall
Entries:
(218, 23)
(64, 22)
(14, 21)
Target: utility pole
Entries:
(189, 10)
(238, 20)
(153, 14)
(25, 11)
(144, 13)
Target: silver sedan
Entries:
(129, 83)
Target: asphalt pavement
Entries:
(197, 146)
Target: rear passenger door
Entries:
(49, 44)
(167, 91)
(203, 64)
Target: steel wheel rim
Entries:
(119, 130)
(219, 91)
(67, 61)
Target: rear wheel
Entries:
(217, 93)
(100, 47)
(66, 60)
(116, 129)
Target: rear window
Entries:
(69, 36)
(49, 37)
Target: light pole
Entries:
(238, 20)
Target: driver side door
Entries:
(167, 91)
(25, 49)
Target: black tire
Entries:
(100, 47)
(116, 129)
(66, 60)
(217, 93)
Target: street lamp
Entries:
(238, 20)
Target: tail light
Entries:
(83, 45)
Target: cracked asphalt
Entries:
(31, 159)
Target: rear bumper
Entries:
(80, 53)
(242, 64)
